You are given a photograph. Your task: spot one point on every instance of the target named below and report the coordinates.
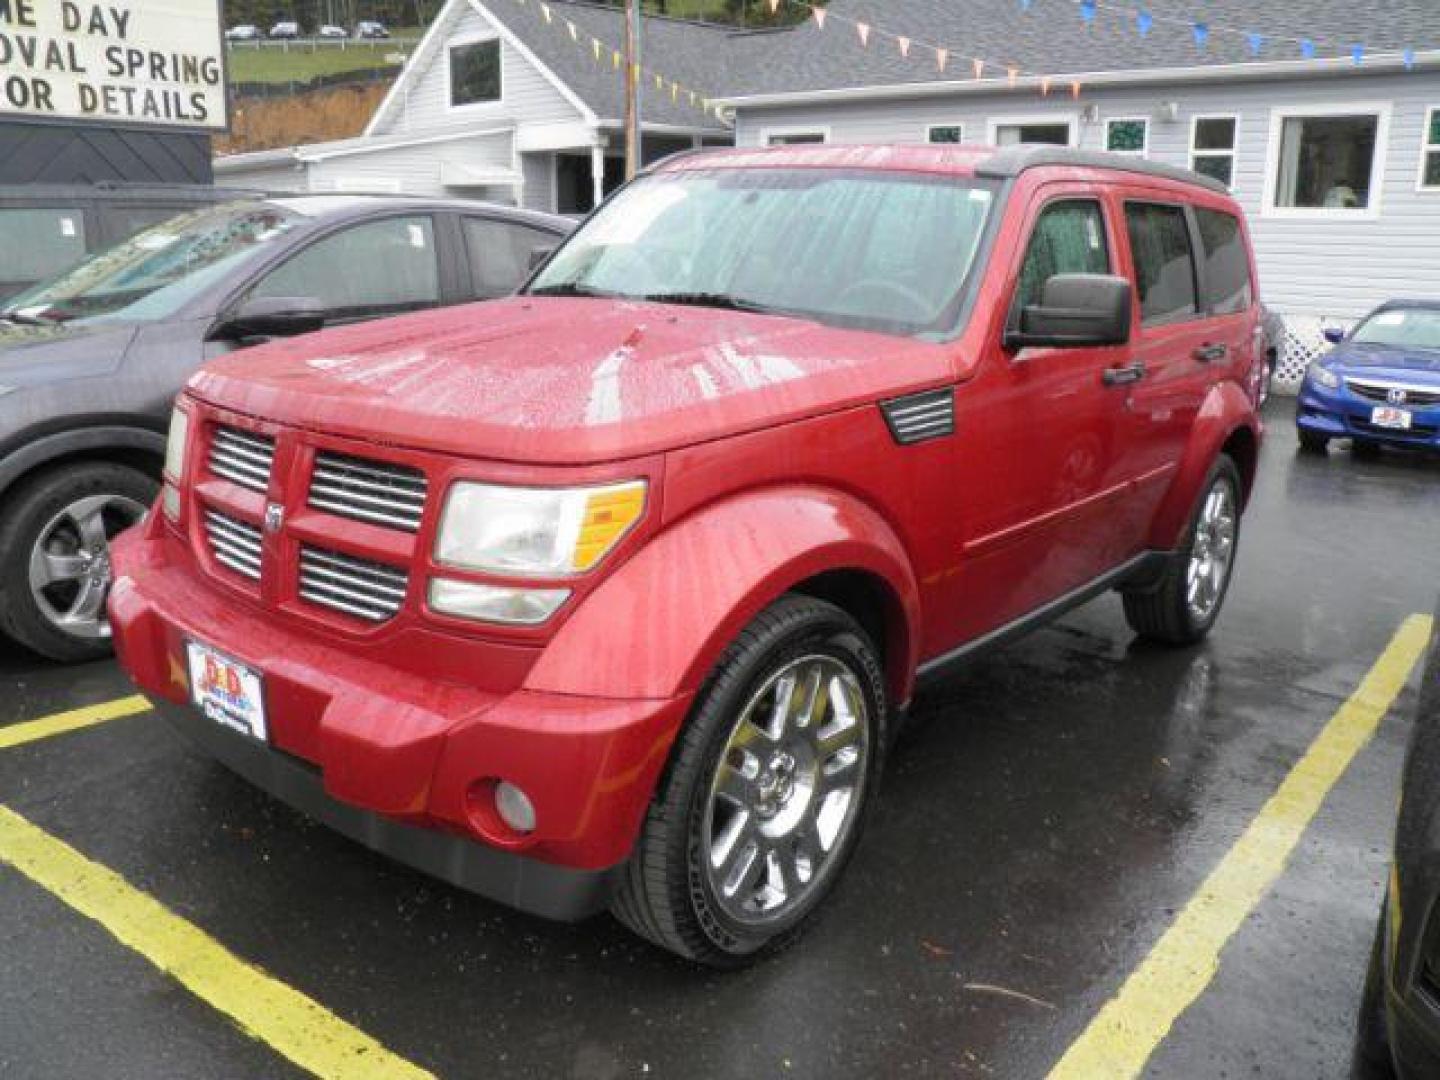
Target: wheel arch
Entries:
(123, 444)
(687, 594)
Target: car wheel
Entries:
(766, 791)
(55, 555)
(1364, 449)
(1312, 443)
(1184, 606)
(1371, 1059)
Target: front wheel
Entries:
(1184, 606)
(766, 791)
(1311, 443)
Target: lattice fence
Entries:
(1301, 344)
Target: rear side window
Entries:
(500, 254)
(1068, 238)
(1227, 268)
(1164, 267)
(40, 243)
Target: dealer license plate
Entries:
(227, 691)
(1387, 416)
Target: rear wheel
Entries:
(1312, 443)
(55, 536)
(1184, 606)
(766, 791)
(1364, 449)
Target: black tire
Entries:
(24, 517)
(665, 895)
(1162, 613)
(1311, 443)
(1364, 449)
(1370, 1059)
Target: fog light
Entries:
(494, 603)
(514, 807)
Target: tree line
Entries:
(418, 13)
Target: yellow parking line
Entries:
(294, 1025)
(1132, 1024)
(31, 730)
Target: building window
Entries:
(1041, 132)
(475, 72)
(945, 133)
(793, 138)
(1326, 162)
(1430, 151)
(1212, 147)
(1127, 135)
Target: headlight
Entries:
(175, 448)
(1323, 376)
(535, 532)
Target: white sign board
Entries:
(124, 62)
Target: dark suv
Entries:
(90, 360)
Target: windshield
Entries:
(1415, 328)
(156, 271)
(873, 250)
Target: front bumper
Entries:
(1343, 414)
(401, 761)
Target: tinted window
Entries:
(365, 269)
(1164, 270)
(39, 243)
(500, 253)
(1069, 238)
(1227, 269)
(475, 72)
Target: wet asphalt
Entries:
(1050, 809)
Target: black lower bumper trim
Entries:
(552, 892)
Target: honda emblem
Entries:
(274, 517)
(1396, 396)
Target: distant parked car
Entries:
(285, 30)
(1272, 326)
(90, 360)
(1380, 385)
(369, 29)
(243, 32)
(330, 30)
(47, 228)
(1399, 1024)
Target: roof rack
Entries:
(1011, 161)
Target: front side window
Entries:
(40, 243)
(1430, 151)
(1212, 148)
(1405, 328)
(369, 269)
(1326, 162)
(1037, 133)
(945, 133)
(891, 252)
(155, 272)
(1068, 238)
(475, 72)
(501, 253)
(1127, 136)
(1164, 267)
(1227, 265)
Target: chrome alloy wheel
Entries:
(787, 790)
(1212, 552)
(70, 563)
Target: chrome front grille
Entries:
(234, 543)
(377, 492)
(1380, 391)
(368, 590)
(242, 457)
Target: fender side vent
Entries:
(918, 417)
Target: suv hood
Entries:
(566, 381)
(1381, 360)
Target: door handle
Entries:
(1209, 353)
(1119, 376)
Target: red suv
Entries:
(611, 594)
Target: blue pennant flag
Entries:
(1143, 22)
(1409, 57)
(1307, 48)
(1357, 54)
(1087, 10)
(1257, 43)
(1202, 34)
(1025, 5)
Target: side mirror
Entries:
(272, 316)
(1333, 334)
(540, 254)
(1075, 311)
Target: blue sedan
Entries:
(1380, 384)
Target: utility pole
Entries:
(632, 88)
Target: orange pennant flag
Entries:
(1012, 73)
(942, 57)
(904, 43)
(1075, 89)
(979, 66)
(863, 29)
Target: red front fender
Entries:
(660, 623)
(1225, 411)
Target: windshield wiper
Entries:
(573, 288)
(715, 300)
